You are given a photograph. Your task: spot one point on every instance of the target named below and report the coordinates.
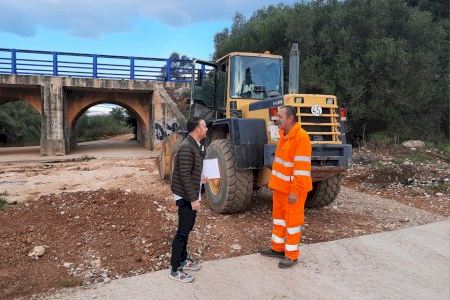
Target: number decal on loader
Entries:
(278, 102)
(316, 110)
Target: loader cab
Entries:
(255, 77)
(235, 80)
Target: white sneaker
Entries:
(181, 276)
(189, 265)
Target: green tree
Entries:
(118, 114)
(95, 127)
(20, 124)
(180, 67)
(386, 60)
(439, 8)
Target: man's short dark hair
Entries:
(192, 123)
(291, 111)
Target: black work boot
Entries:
(272, 253)
(286, 263)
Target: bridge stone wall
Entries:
(62, 100)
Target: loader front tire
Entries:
(324, 192)
(233, 191)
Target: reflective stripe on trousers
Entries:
(287, 224)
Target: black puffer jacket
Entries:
(187, 170)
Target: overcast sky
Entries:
(131, 27)
(91, 18)
(127, 27)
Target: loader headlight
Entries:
(317, 138)
(299, 100)
(330, 101)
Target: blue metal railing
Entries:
(46, 63)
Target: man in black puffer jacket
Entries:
(186, 188)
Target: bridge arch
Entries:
(141, 126)
(138, 104)
(20, 124)
(32, 96)
(9, 137)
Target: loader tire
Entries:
(166, 156)
(162, 165)
(233, 191)
(324, 192)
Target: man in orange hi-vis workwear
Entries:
(290, 182)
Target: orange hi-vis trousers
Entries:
(287, 223)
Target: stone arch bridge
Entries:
(62, 100)
(56, 89)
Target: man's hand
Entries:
(292, 198)
(204, 179)
(196, 205)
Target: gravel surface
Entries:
(410, 263)
(416, 177)
(102, 219)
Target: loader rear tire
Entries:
(169, 148)
(233, 191)
(324, 192)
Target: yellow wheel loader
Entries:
(238, 96)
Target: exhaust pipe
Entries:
(294, 69)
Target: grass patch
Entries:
(376, 164)
(417, 156)
(445, 147)
(86, 158)
(69, 282)
(3, 203)
(441, 187)
(382, 176)
(381, 140)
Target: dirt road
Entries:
(122, 146)
(377, 266)
(102, 219)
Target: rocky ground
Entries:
(418, 177)
(75, 223)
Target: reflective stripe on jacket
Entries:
(291, 169)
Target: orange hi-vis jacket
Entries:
(291, 169)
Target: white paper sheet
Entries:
(274, 133)
(211, 168)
